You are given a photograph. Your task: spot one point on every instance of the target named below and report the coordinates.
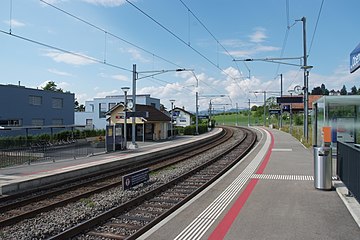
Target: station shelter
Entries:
(154, 125)
(336, 118)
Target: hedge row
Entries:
(19, 141)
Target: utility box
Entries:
(323, 168)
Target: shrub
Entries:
(191, 130)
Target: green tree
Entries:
(51, 86)
(316, 91)
(343, 91)
(79, 107)
(324, 91)
(320, 90)
(354, 90)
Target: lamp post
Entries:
(135, 77)
(172, 117)
(125, 89)
(196, 105)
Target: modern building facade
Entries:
(33, 111)
(94, 116)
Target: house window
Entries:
(89, 122)
(111, 105)
(37, 122)
(58, 121)
(35, 100)
(102, 110)
(11, 122)
(57, 103)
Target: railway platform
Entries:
(25, 177)
(268, 195)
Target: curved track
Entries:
(133, 218)
(19, 207)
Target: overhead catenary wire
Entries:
(64, 51)
(316, 25)
(107, 33)
(213, 36)
(179, 38)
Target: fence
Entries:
(28, 152)
(348, 167)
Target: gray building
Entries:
(34, 111)
(94, 116)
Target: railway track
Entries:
(133, 218)
(18, 207)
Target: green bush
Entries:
(191, 130)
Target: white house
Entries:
(94, 116)
(181, 117)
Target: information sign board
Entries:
(132, 179)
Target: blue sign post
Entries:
(355, 59)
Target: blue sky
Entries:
(228, 29)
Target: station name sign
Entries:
(355, 59)
(289, 100)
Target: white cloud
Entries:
(68, 58)
(136, 55)
(57, 72)
(258, 36)
(15, 23)
(106, 3)
(341, 76)
(120, 77)
(233, 43)
(250, 51)
(81, 97)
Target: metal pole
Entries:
(249, 114)
(291, 115)
(281, 94)
(114, 138)
(210, 114)
(237, 113)
(125, 121)
(224, 116)
(133, 129)
(306, 97)
(197, 113)
(264, 108)
(172, 118)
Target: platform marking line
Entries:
(282, 150)
(202, 223)
(286, 177)
(283, 177)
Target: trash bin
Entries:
(323, 168)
